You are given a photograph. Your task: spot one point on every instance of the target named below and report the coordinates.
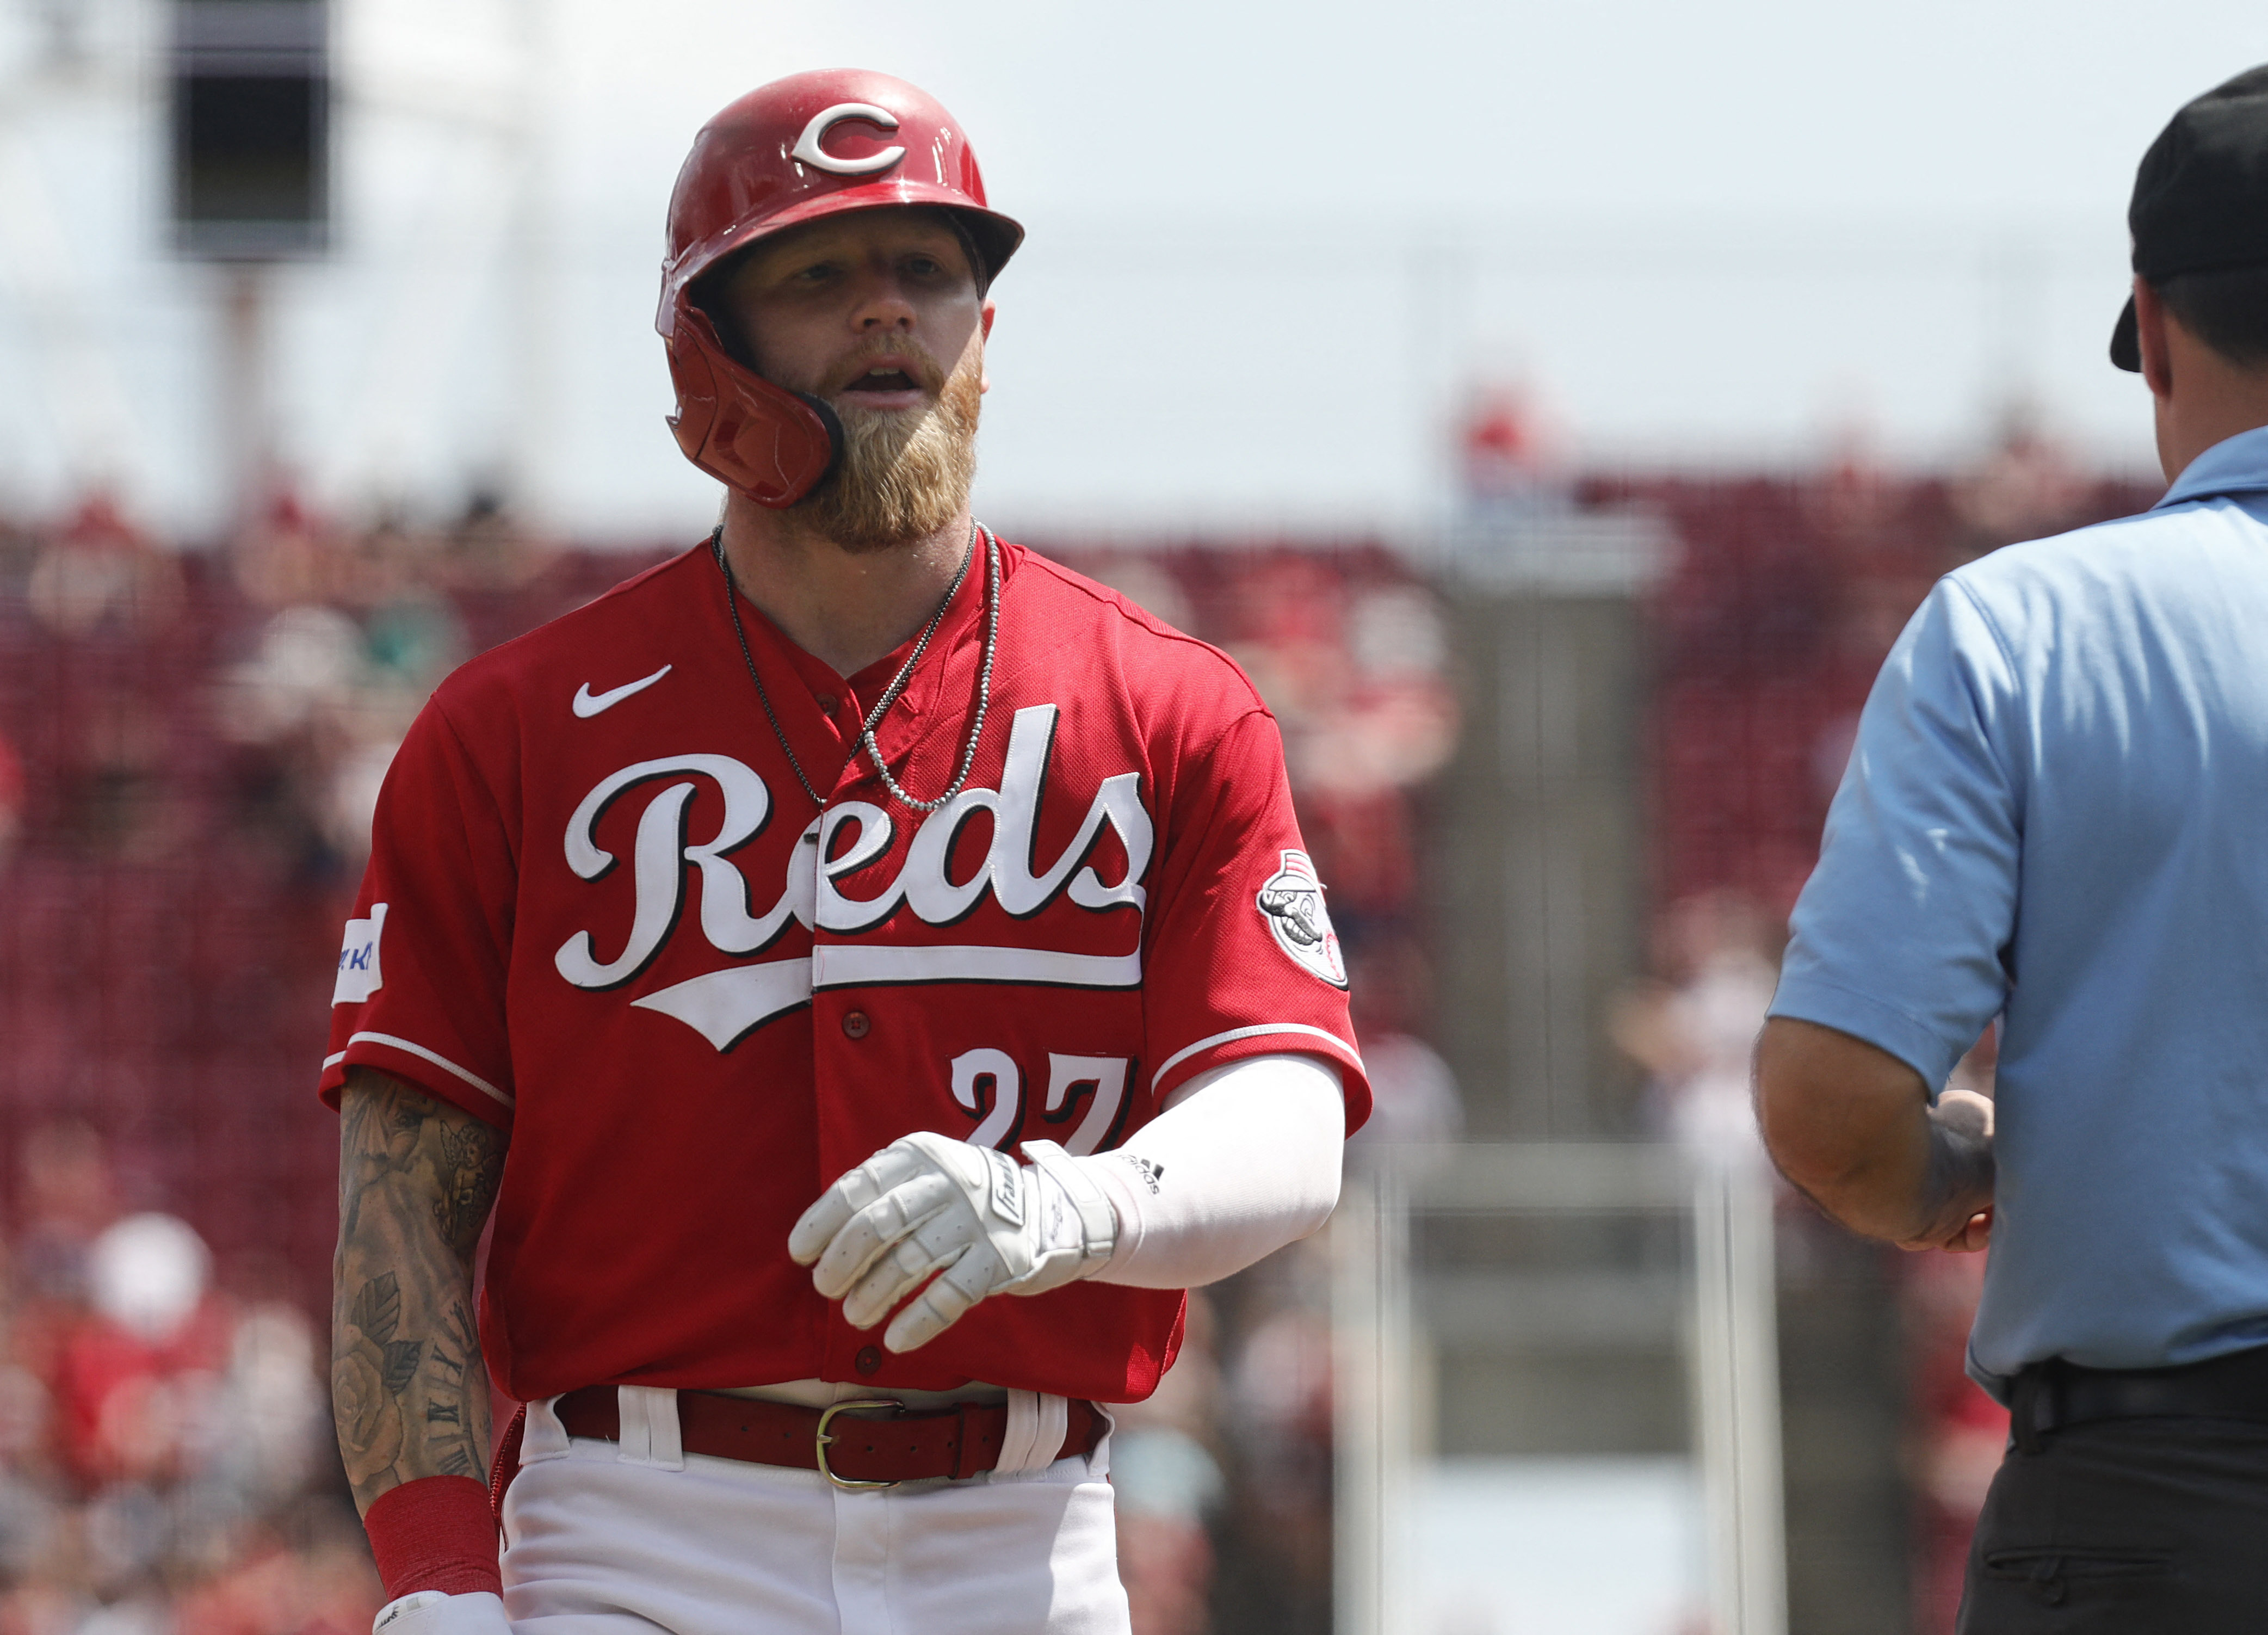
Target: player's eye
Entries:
(924, 266)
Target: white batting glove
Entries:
(986, 1224)
(437, 1612)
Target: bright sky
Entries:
(1271, 246)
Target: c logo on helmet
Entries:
(808, 150)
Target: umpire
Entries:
(2056, 813)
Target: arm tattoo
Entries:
(471, 1164)
(409, 1389)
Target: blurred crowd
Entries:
(160, 699)
(191, 742)
(165, 1463)
(1693, 1029)
(1785, 597)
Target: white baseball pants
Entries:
(606, 1538)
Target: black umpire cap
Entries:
(2201, 196)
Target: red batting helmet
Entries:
(789, 153)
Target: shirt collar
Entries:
(2236, 465)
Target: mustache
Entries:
(925, 370)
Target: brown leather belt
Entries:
(869, 1442)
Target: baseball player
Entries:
(858, 974)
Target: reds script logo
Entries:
(1292, 903)
(726, 1006)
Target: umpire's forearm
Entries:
(409, 1391)
(1850, 1127)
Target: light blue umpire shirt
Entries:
(2057, 813)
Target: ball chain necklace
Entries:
(897, 686)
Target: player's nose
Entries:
(882, 303)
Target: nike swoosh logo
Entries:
(588, 704)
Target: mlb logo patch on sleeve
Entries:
(1292, 903)
(358, 973)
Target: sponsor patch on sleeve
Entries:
(358, 972)
(1292, 903)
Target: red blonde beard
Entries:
(905, 472)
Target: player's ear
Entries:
(985, 371)
(2150, 321)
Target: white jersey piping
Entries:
(1234, 1033)
(474, 1079)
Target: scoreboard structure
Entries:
(249, 104)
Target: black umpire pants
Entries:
(2125, 1527)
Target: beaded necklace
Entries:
(897, 686)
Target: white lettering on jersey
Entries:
(1098, 1081)
(1292, 903)
(971, 1072)
(807, 149)
(848, 915)
(656, 868)
(723, 1007)
(359, 976)
(1101, 1080)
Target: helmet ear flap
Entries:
(696, 385)
(761, 440)
(831, 423)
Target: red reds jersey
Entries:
(602, 913)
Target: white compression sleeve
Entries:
(1244, 1160)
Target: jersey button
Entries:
(868, 1361)
(829, 703)
(855, 1024)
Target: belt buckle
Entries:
(826, 1418)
